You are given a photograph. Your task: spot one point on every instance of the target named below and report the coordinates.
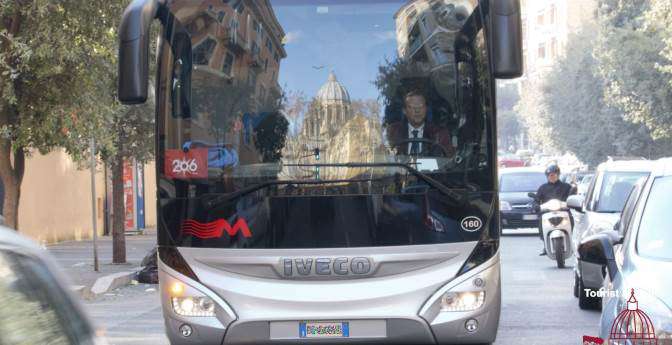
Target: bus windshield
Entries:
(286, 124)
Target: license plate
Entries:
(530, 217)
(324, 330)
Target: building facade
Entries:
(335, 130)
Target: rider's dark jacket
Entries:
(558, 190)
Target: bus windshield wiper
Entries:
(223, 198)
(455, 196)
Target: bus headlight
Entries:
(462, 300)
(193, 306)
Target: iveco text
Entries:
(326, 169)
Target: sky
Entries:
(350, 39)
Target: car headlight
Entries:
(193, 306)
(190, 303)
(504, 206)
(462, 301)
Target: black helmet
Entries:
(553, 168)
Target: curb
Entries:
(105, 284)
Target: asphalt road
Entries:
(538, 305)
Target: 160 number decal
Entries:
(471, 224)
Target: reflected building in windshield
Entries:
(236, 51)
(426, 31)
(336, 130)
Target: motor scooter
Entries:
(556, 228)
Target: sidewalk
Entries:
(75, 259)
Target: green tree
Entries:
(633, 51)
(52, 55)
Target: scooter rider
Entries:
(553, 189)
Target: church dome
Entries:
(333, 91)
(632, 324)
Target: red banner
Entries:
(129, 202)
(215, 229)
(190, 164)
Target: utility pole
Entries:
(93, 204)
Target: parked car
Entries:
(637, 253)
(510, 161)
(584, 183)
(598, 211)
(35, 305)
(516, 207)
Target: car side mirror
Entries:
(575, 202)
(532, 195)
(599, 249)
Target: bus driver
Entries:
(415, 126)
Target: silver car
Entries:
(636, 291)
(598, 211)
(35, 305)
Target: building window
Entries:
(203, 51)
(554, 47)
(252, 78)
(220, 16)
(541, 52)
(552, 12)
(227, 67)
(540, 19)
(439, 56)
(276, 58)
(266, 65)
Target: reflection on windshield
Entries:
(616, 187)
(261, 90)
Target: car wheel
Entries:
(587, 302)
(576, 285)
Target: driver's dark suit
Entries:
(398, 136)
(549, 191)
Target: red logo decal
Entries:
(215, 229)
(632, 324)
(190, 164)
(592, 340)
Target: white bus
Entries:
(327, 169)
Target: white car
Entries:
(35, 304)
(599, 210)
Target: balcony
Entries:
(255, 60)
(235, 42)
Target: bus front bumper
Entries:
(378, 320)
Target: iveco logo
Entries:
(340, 266)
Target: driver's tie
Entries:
(415, 146)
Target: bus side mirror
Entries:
(134, 51)
(507, 38)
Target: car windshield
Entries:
(616, 187)
(521, 182)
(654, 239)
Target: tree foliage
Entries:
(633, 50)
(610, 93)
(52, 57)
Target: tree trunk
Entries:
(11, 177)
(118, 218)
